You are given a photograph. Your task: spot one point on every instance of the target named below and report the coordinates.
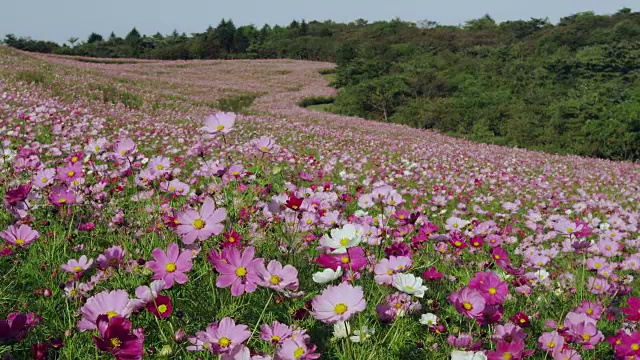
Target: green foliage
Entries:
(33, 76)
(316, 100)
(236, 102)
(111, 94)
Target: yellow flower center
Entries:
(162, 309)
(264, 148)
(635, 347)
(115, 342)
(170, 267)
(507, 356)
(492, 291)
(74, 159)
(309, 221)
(551, 344)
(340, 309)
(497, 257)
(224, 342)
(97, 148)
(458, 243)
(589, 311)
(160, 167)
(173, 188)
(77, 268)
(19, 241)
(344, 260)
(344, 241)
(198, 223)
(275, 279)
(111, 314)
(275, 338)
(298, 353)
(44, 179)
(390, 272)
(231, 239)
(62, 201)
(586, 337)
(467, 305)
(220, 127)
(241, 271)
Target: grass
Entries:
(236, 102)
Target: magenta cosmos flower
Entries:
(240, 271)
(19, 236)
(110, 303)
(111, 257)
(221, 122)
(199, 225)
(338, 303)
(117, 338)
(170, 266)
(61, 195)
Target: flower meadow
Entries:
(172, 229)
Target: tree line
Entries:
(570, 87)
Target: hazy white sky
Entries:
(58, 20)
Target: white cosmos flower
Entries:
(429, 319)
(327, 275)
(410, 284)
(467, 355)
(362, 334)
(341, 329)
(342, 239)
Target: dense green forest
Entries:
(572, 87)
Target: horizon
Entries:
(75, 19)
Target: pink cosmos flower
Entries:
(20, 236)
(468, 301)
(296, 349)
(61, 195)
(43, 178)
(583, 330)
(386, 268)
(277, 277)
(125, 147)
(117, 338)
(170, 266)
(69, 173)
(263, 144)
(75, 266)
(338, 303)
(508, 332)
(275, 333)
(513, 351)
(110, 303)
(200, 225)
(221, 122)
(226, 335)
(240, 271)
(175, 187)
(551, 341)
(111, 257)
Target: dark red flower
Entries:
(161, 307)
(117, 338)
(521, 319)
(17, 194)
(294, 202)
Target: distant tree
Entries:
(72, 40)
(94, 37)
(133, 37)
(484, 23)
(426, 24)
(225, 33)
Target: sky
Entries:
(58, 20)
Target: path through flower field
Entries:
(140, 221)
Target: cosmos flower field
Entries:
(140, 221)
